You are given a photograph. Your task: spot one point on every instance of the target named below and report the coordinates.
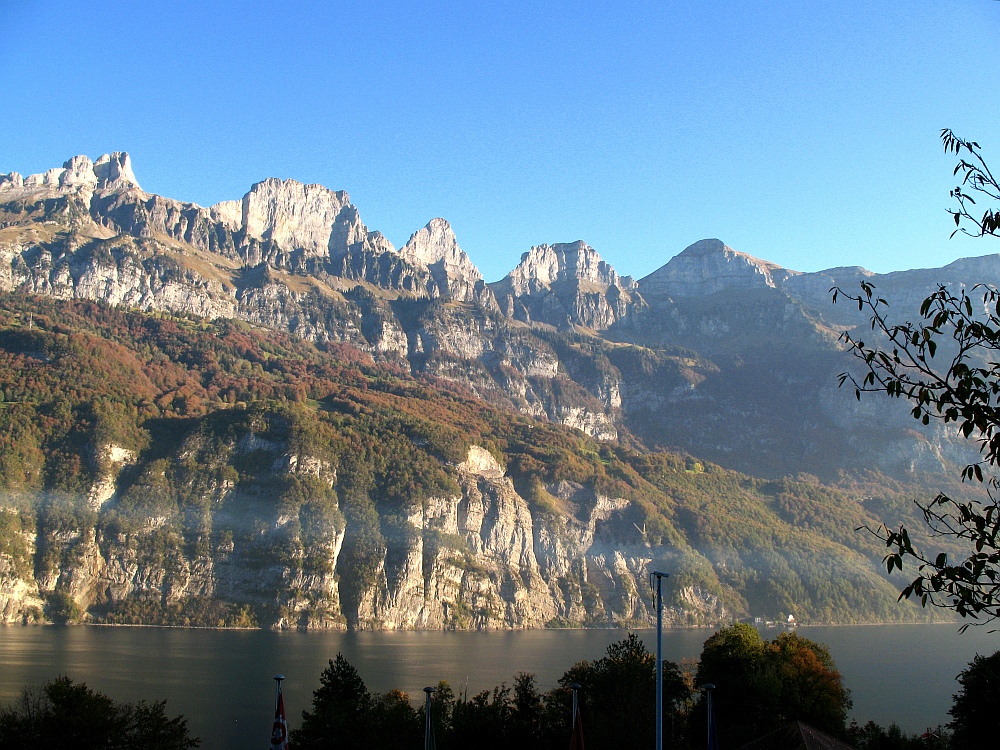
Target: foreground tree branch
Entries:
(960, 387)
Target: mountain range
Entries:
(716, 359)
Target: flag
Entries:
(576, 739)
(279, 732)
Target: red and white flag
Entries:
(279, 732)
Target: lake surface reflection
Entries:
(221, 680)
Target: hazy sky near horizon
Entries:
(803, 133)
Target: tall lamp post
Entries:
(659, 575)
(713, 738)
(429, 743)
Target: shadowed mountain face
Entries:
(717, 353)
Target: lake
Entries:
(221, 680)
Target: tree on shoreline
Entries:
(68, 714)
(762, 685)
(975, 721)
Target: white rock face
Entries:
(350, 233)
(436, 247)
(481, 463)
(565, 285)
(78, 172)
(293, 215)
(114, 172)
(710, 266)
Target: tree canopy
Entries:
(617, 695)
(975, 720)
(761, 685)
(69, 714)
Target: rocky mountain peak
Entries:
(436, 247)
(710, 266)
(114, 172)
(544, 265)
(436, 243)
(292, 215)
(110, 173)
(566, 284)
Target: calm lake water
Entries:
(221, 680)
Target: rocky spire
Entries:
(436, 247)
(114, 172)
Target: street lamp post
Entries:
(659, 657)
(713, 740)
(428, 726)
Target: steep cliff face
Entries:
(567, 284)
(479, 559)
(20, 599)
(482, 559)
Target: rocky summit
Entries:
(720, 360)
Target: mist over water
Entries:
(221, 679)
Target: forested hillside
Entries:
(164, 469)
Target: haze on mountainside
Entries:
(512, 518)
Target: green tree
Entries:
(975, 720)
(618, 697)
(761, 685)
(947, 365)
(67, 714)
(346, 715)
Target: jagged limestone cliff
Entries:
(717, 353)
(567, 285)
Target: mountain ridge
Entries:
(114, 173)
(730, 340)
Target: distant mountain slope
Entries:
(165, 469)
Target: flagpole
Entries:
(576, 727)
(279, 730)
(575, 687)
(660, 575)
(277, 688)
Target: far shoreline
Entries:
(647, 628)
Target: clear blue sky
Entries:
(804, 133)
